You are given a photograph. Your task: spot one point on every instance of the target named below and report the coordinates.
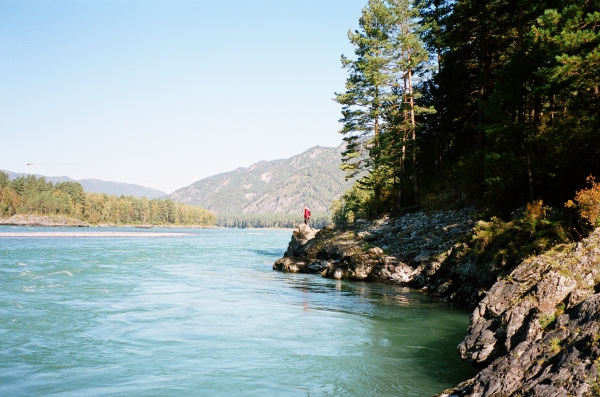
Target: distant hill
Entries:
(99, 186)
(272, 187)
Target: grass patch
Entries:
(555, 345)
(595, 383)
(506, 243)
(547, 319)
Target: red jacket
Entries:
(306, 213)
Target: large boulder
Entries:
(300, 237)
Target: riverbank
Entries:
(536, 324)
(88, 234)
(43, 220)
(65, 221)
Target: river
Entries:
(201, 313)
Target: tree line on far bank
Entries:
(494, 101)
(31, 195)
(317, 221)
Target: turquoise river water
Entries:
(204, 314)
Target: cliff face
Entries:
(535, 330)
(538, 331)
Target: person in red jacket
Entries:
(306, 215)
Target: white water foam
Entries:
(68, 273)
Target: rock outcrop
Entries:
(537, 332)
(41, 220)
(418, 250)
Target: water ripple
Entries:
(205, 315)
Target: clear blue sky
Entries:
(164, 93)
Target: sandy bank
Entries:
(90, 234)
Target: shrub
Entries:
(355, 203)
(588, 202)
(535, 213)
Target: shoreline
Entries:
(92, 226)
(89, 234)
(32, 220)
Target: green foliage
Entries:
(534, 231)
(356, 203)
(595, 381)
(4, 179)
(31, 195)
(378, 105)
(515, 88)
(546, 320)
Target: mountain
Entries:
(282, 186)
(99, 186)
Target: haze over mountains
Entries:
(272, 187)
(99, 186)
(280, 186)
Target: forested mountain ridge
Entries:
(281, 186)
(100, 186)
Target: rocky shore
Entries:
(42, 220)
(535, 330)
(418, 250)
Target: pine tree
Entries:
(368, 89)
(379, 109)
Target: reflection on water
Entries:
(206, 315)
(272, 253)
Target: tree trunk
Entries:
(439, 140)
(413, 137)
(483, 72)
(376, 187)
(597, 95)
(529, 174)
(403, 156)
(480, 93)
(534, 118)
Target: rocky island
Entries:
(535, 327)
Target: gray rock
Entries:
(375, 251)
(300, 238)
(422, 257)
(367, 236)
(517, 331)
(317, 267)
(409, 229)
